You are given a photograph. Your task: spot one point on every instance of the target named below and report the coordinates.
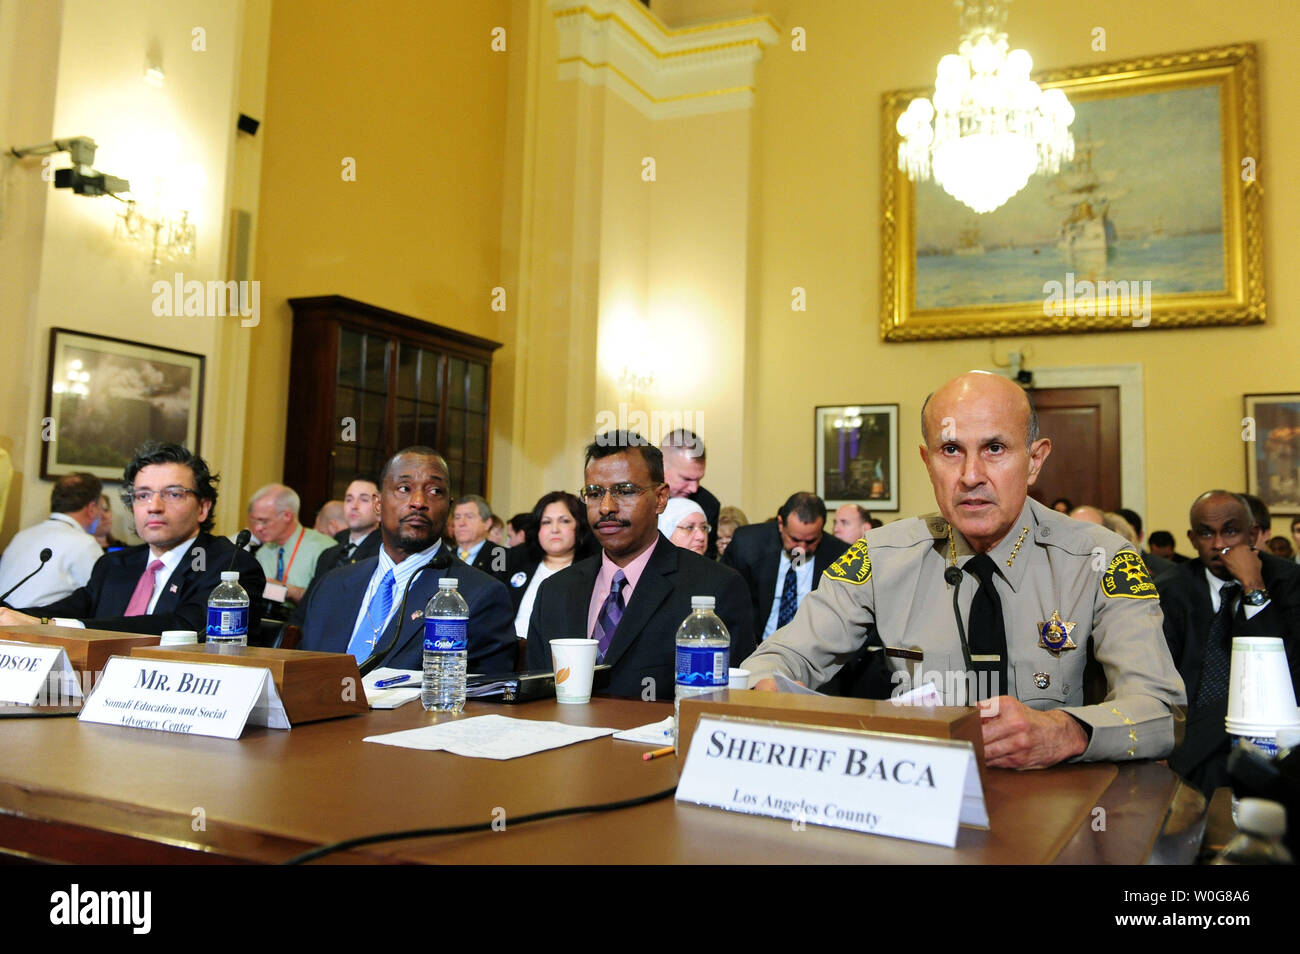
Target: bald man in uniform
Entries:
(1033, 587)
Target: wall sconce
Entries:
(166, 240)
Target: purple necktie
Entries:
(610, 614)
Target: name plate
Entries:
(902, 786)
(186, 698)
(36, 675)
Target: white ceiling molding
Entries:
(663, 71)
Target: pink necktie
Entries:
(144, 590)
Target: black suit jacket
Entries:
(755, 553)
(645, 643)
(332, 559)
(520, 568)
(488, 561)
(1185, 600)
(183, 603)
(711, 507)
(333, 607)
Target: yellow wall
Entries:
(413, 92)
(817, 209)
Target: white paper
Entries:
(275, 592)
(655, 733)
(36, 674)
(927, 694)
(398, 695)
(491, 737)
(186, 698)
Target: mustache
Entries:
(613, 522)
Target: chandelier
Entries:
(164, 239)
(993, 127)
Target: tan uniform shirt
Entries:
(892, 582)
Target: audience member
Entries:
(330, 520)
(1281, 547)
(782, 563)
(358, 540)
(1156, 563)
(471, 522)
(684, 462)
(636, 593)
(497, 533)
(1231, 590)
(104, 532)
(876, 523)
(163, 583)
(1089, 514)
(1037, 583)
(289, 550)
(1263, 519)
(1295, 535)
(374, 609)
(76, 513)
(1062, 505)
(684, 524)
(729, 518)
(557, 535)
(852, 522)
(1161, 543)
(517, 528)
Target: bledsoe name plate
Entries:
(902, 786)
(36, 675)
(186, 698)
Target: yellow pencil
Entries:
(667, 750)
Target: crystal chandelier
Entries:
(164, 239)
(993, 127)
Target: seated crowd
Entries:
(827, 599)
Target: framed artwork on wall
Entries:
(104, 397)
(1155, 223)
(857, 455)
(1271, 433)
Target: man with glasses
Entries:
(164, 583)
(633, 596)
(1234, 589)
(289, 550)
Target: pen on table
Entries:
(655, 753)
(395, 680)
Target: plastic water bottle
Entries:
(1262, 824)
(228, 612)
(703, 654)
(446, 644)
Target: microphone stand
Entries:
(440, 562)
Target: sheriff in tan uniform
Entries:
(1061, 582)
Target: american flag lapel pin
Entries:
(417, 614)
(172, 588)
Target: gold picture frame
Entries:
(1153, 111)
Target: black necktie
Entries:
(347, 554)
(988, 635)
(1213, 687)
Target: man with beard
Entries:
(374, 609)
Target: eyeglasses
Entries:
(626, 491)
(168, 494)
(703, 528)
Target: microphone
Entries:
(241, 541)
(45, 558)
(440, 561)
(952, 576)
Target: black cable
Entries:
(465, 829)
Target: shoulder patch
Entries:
(1127, 576)
(854, 566)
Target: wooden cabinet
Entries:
(365, 382)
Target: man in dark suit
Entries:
(471, 522)
(358, 541)
(1232, 590)
(684, 463)
(165, 582)
(783, 562)
(634, 596)
(374, 608)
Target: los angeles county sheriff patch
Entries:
(853, 567)
(1127, 576)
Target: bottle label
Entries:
(227, 620)
(702, 667)
(443, 635)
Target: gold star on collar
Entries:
(1054, 634)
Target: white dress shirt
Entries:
(402, 573)
(73, 556)
(1217, 584)
(171, 559)
(803, 578)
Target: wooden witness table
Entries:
(105, 795)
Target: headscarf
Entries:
(678, 509)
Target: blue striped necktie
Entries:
(371, 626)
(789, 597)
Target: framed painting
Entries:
(104, 397)
(1155, 222)
(1271, 430)
(857, 455)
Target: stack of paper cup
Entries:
(1261, 699)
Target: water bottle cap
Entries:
(703, 602)
(229, 576)
(447, 583)
(1262, 817)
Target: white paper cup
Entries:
(1261, 699)
(737, 678)
(178, 637)
(574, 661)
